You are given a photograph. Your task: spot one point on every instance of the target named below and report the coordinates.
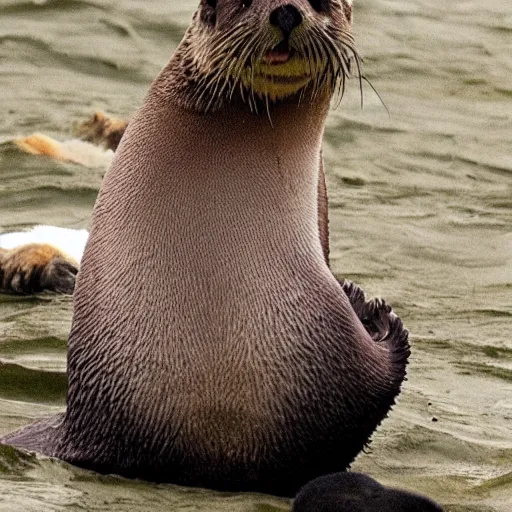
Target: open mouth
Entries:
(280, 54)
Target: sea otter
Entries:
(211, 345)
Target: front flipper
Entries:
(43, 436)
(34, 268)
(382, 324)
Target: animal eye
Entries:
(246, 4)
(212, 3)
(319, 5)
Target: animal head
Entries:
(270, 49)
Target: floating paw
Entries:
(102, 130)
(34, 268)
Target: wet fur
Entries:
(40, 144)
(163, 459)
(102, 130)
(34, 268)
(221, 53)
(213, 346)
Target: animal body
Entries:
(211, 345)
(102, 130)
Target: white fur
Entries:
(70, 241)
(87, 154)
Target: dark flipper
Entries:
(59, 276)
(378, 318)
(42, 436)
(383, 325)
(355, 492)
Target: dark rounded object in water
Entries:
(355, 492)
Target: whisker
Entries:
(230, 64)
(349, 44)
(378, 96)
(268, 109)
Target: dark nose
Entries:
(286, 18)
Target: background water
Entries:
(421, 213)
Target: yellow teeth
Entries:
(280, 80)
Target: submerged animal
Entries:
(211, 345)
(102, 130)
(45, 258)
(33, 268)
(355, 492)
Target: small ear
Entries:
(208, 14)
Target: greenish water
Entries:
(421, 213)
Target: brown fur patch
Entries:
(102, 130)
(33, 268)
(39, 144)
